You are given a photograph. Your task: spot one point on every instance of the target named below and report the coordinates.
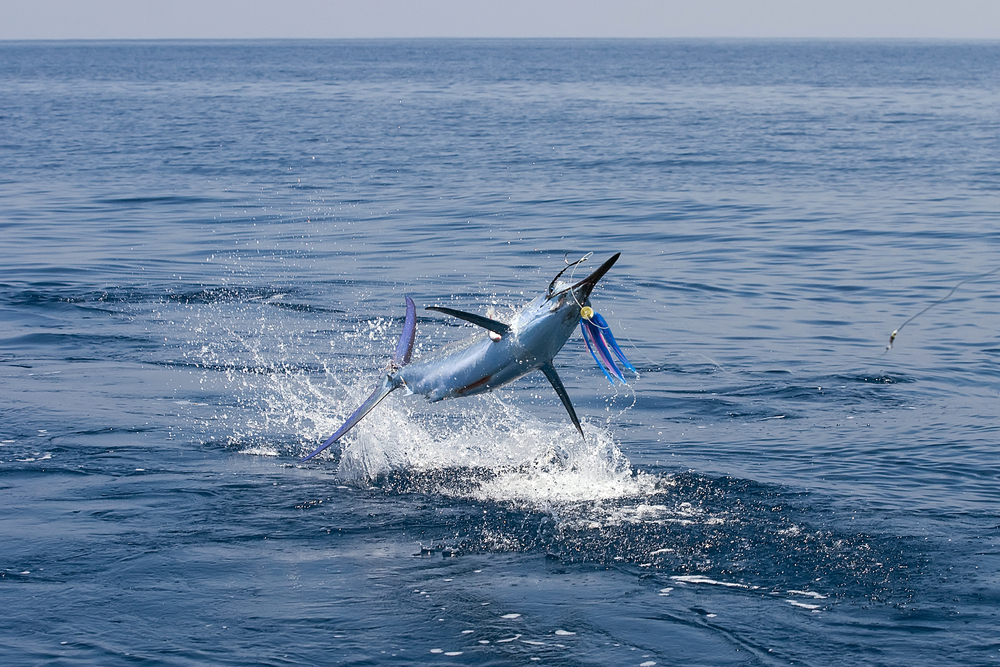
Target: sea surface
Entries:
(205, 252)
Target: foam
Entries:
(513, 455)
(810, 594)
(261, 450)
(803, 605)
(698, 579)
(499, 451)
(39, 457)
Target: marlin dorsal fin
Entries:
(498, 328)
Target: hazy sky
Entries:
(158, 19)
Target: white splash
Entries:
(497, 452)
(480, 447)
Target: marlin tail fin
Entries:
(404, 348)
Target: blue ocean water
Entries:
(206, 248)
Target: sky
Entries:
(257, 19)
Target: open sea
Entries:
(205, 252)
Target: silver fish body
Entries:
(480, 363)
(485, 361)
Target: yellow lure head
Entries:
(586, 312)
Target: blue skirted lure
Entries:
(599, 338)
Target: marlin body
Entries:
(502, 353)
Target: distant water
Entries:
(205, 252)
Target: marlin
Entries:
(503, 353)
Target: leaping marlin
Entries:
(504, 353)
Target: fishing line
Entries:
(552, 284)
(635, 398)
(573, 272)
(892, 336)
(643, 352)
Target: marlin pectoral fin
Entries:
(496, 327)
(553, 377)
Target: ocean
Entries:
(206, 248)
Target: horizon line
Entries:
(746, 38)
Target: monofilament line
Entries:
(892, 336)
